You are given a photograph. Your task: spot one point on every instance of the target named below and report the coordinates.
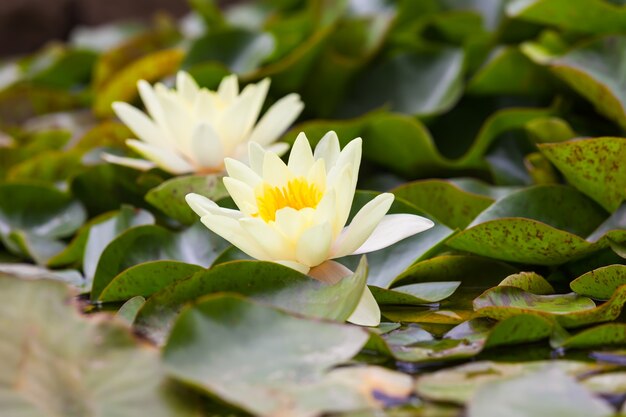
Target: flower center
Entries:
(297, 194)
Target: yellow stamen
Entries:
(297, 194)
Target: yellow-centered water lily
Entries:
(191, 129)
(295, 213)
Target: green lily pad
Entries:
(247, 377)
(169, 197)
(116, 59)
(459, 384)
(523, 240)
(545, 203)
(594, 166)
(122, 86)
(517, 298)
(553, 393)
(529, 281)
(569, 310)
(470, 270)
(447, 202)
(146, 279)
(596, 337)
(242, 51)
(589, 16)
(93, 364)
(415, 294)
(508, 71)
(34, 217)
(195, 245)
(266, 282)
(600, 283)
(410, 83)
(593, 71)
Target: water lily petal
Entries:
(153, 105)
(290, 222)
(277, 119)
(301, 157)
(279, 148)
(256, 156)
(330, 272)
(203, 206)
(140, 164)
(275, 172)
(178, 119)
(186, 86)
(272, 241)
(328, 149)
(242, 195)
(256, 102)
(165, 159)
(303, 269)
(228, 89)
(231, 230)
(207, 147)
(362, 225)
(367, 312)
(141, 125)
(314, 244)
(393, 228)
(242, 172)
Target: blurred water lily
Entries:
(191, 129)
(295, 213)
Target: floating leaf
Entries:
(122, 87)
(450, 204)
(552, 391)
(74, 363)
(530, 282)
(266, 282)
(598, 336)
(589, 16)
(415, 294)
(146, 278)
(195, 245)
(593, 70)
(460, 384)
(594, 166)
(569, 310)
(248, 377)
(169, 197)
(600, 283)
(410, 83)
(509, 71)
(240, 50)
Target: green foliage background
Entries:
(501, 120)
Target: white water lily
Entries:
(191, 129)
(295, 213)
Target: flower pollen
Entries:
(297, 194)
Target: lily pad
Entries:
(415, 294)
(94, 364)
(195, 245)
(529, 281)
(600, 283)
(248, 378)
(594, 166)
(447, 202)
(146, 279)
(569, 310)
(411, 83)
(266, 282)
(169, 197)
(553, 393)
(597, 336)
